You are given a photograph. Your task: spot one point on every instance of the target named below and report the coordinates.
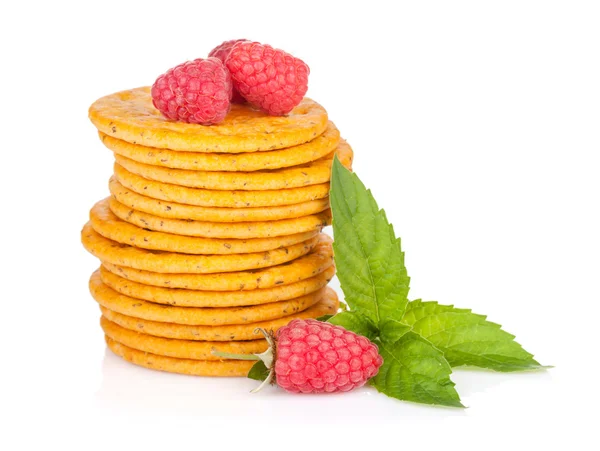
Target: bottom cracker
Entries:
(224, 368)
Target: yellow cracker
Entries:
(110, 226)
(168, 262)
(237, 230)
(310, 265)
(238, 332)
(218, 198)
(195, 298)
(182, 349)
(215, 316)
(175, 210)
(130, 116)
(223, 368)
(249, 161)
(312, 173)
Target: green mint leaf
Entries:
(415, 370)
(356, 323)
(259, 371)
(391, 330)
(467, 338)
(324, 318)
(368, 257)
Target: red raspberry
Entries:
(270, 79)
(222, 52)
(316, 357)
(197, 92)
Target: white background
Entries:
(475, 123)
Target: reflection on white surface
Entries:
(129, 389)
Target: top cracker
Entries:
(130, 116)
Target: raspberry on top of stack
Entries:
(218, 197)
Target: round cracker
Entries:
(169, 262)
(108, 225)
(215, 316)
(195, 298)
(312, 173)
(182, 349)
(239, 230)
(223, 368)
(301, 268)
(175, 210)
(130, 116)
(218, 198)
(250, 161)
(236, 332)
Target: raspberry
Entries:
(197, 92)
(270, 79)
(222, 52)
(310, 356)
(316, 357)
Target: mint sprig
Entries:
(419, 341)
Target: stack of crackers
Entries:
(210, 232)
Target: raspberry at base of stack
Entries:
(318, 357)
(211, 231)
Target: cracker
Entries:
(239, 230)
(218, 198)
(237, 332)
(110, 226)
(315, 262)
(169, 262)
(182, 349)
(223, 368)
(313, 173)
(130, 116)
(250, 161)
(195, 298)
(215, 316)
(174, 210)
